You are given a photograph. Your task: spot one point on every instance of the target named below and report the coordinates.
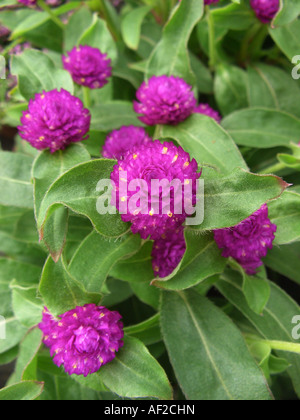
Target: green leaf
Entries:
(23, 391)
(262, 128)
(92, 272)
(287, 38)
(46, 169)
(26, 367)
(236, 17)
(289, 11)
(212, 361)
(27, 306)
(131, 26)
(99, 36)
(202, 259)
(76, 26)
(77, 190)
(271, 87)
(230, 88)
(285, 260)
(147, 331)
(71, 293)
(207, 142)
(36, 73)
(285, 213)
(274, 324)
(16, 188)
(137, 268)
(134, 373)
(204, 80)
(167, 60)
(113, 115)
(256, 288)
(230, 200)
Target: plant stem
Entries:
(86, 97)
(274, 345)
(284, 346)
(54, 18)
(211, 35)
(273, 169)
(249, 37)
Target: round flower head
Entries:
(28, 2)
(143, 193)
(207, 2)
(127, 139)
(88, 66)
(54, 120)
(205, 109)
(83, 339)
(168, 252)
(265, 10)
(164, 100)
(249, 241)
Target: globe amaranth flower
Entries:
(83, 339)
(28, 2)
(54, 120)
(127, 139)
(265, 10)
(154, 188)
(249, 241)
(168, 252)
(207, 2)
(205, 109)
(88, 66)
(164, 100)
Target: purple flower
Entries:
(149, 170)
(4, 32)
(249, 241)
(164, 100)
(88, 66)
(205, 109)
(127, 139)
(207, 2)
(265, 10)
(168, 252)
(83, 339)
(54, 120)
(28, 2)
(18, 49)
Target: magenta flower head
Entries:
(28, 2)
(249, 241)
(168, 252)
(164, 100)
(54, 120)
(205, 109)
(83, 339)
(265, 10)
(127, 139)
(207, 2)
(88, 66)
(153, 186)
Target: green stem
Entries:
(53, 17)
(284, 346)
(273, 169)
(274, 344)
(211, 37)
(86, 97)
(250, 35)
